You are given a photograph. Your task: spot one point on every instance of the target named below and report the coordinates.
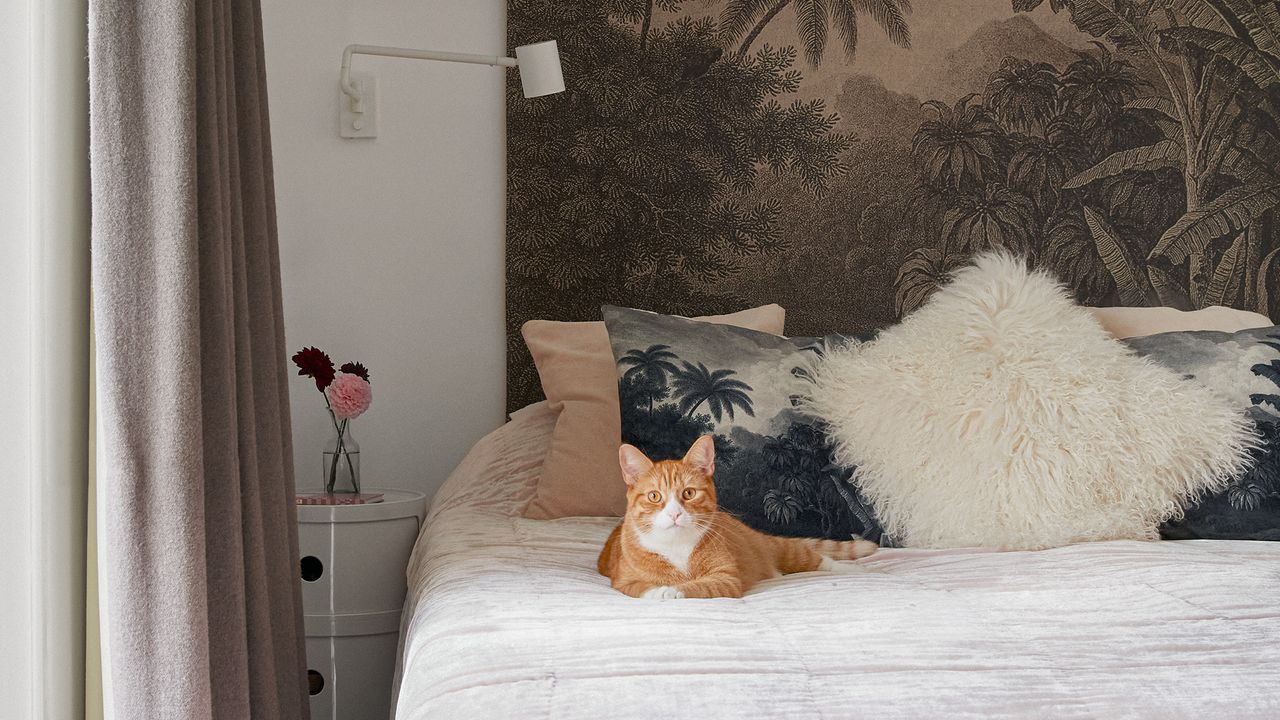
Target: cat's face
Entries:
(671, 494)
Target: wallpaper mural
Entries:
(840, 157)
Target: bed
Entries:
(507, 618)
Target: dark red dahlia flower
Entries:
(357, 369)
(315, 364)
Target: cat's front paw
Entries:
(663, 592)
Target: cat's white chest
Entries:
(675, 545)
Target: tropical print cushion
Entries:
(1244, 366)
(679, 379)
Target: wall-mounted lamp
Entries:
(539, 65)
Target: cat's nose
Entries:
(674, 514)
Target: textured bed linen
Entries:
(508, 618)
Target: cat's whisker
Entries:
(708, 527)
(715, 535)
(712, 530)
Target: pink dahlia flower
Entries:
(349, 396)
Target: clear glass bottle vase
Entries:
(341, 459)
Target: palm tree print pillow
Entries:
(1244, 366)
(679, 379)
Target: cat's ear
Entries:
(702, 455)
(633, 462)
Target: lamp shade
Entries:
(540, 72)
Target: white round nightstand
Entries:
(353, 566)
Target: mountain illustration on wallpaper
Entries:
(970, 64)
(842, 158)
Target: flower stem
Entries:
(332, 480)
(342, 443)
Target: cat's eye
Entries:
(688, 493)
(655, 496)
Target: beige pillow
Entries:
(580, 475)
(1123, 322)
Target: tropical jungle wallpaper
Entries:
(841, 157)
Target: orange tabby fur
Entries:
(702, 552)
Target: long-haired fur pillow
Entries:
(1001, 414)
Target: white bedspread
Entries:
(508, 619)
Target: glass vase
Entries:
(341, 459)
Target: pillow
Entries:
(1243, 367)
(580, 474)
(1002, 414)
(679, 379)
(1126, 322)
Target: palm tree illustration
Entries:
(1023, 94)
(642, 11)
(925, 270)
(695, 385)
(994, 217)
(1270, 371)
(813, 21)
(653, 364)
(1098, 84)
(842, 480)
(811, 482)
(1262, 481)
(960, 146)
(1003, 170)
(1211, 57)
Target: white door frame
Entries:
(44, 301)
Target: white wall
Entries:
(392, 248)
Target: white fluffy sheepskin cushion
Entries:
(1001, 414)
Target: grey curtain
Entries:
(197, 537)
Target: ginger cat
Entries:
(675, 543)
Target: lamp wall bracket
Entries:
(358, 114)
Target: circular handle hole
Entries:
(315, 682)
(312, 568)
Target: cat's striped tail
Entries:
(842, 549)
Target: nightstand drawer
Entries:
(355, 567)
(350, 677)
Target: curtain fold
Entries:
(201, 610)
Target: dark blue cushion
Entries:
(1243, 366)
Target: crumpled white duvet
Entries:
(507, 618)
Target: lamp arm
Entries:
(384, 51)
